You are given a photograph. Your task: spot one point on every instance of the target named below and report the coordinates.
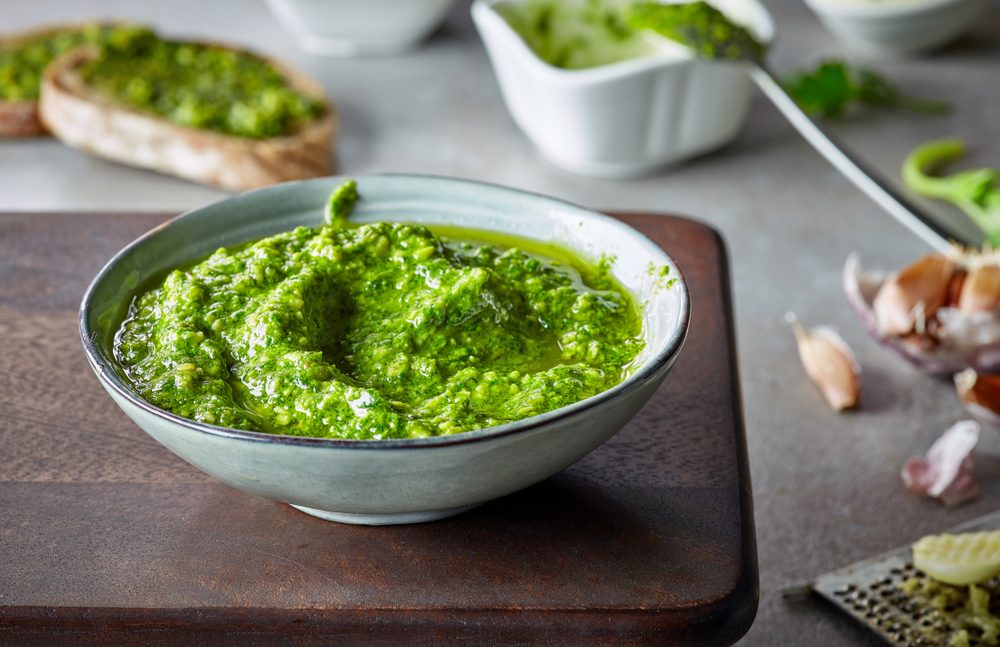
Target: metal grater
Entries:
(869, 592)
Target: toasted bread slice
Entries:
(87, 120)
(20, 118)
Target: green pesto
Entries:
(578, 34)
(341, 202)
(200, 86)
(382, 330)
(575, 34)
(22, 64)
(700, 26)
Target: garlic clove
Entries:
(829, 363)
(980, 290)
(908, 298)
(946, 472)
(981, 396)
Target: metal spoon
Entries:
(863, 177)
(710, 35)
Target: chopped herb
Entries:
(834, 87)
(661, 276)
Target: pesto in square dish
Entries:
(381, 330)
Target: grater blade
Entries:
(869, 592)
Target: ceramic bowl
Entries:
(896, 28)
(359, 27)
(391, 481)
(628, 118)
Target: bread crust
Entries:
(20, 118)
(83, 119)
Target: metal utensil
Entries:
(869, 591)
(863, 177)
(710, 35)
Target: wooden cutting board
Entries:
(108, 538)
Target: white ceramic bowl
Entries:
(624, 119)
(896, 28)
(359, 27)
(391, 481)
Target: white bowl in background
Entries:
(359, 27)
(622, 119)
(398, 480)
(896, 28)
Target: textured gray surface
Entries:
(827, 489)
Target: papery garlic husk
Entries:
(947, 339)
(946, 471)
(830, 364)
(909, 297)
(981, 396)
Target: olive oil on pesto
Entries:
(375, 331)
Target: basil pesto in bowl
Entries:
(445, 343)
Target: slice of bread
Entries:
(19, 118)
(87, 120)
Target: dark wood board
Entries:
(106, 537)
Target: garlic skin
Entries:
(950, 339)
(981, 396)
(829, 363)
(946, 472)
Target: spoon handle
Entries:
(851, 166)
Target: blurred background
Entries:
(827, 488)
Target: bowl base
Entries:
(384, 519)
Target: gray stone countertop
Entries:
(827, 490)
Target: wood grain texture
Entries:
(106, 536)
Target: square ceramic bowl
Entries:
(628, 118)
(896, 28)
(391, 481)
(359, 27)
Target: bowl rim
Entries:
(487, 19)
(890, 11)
(647, 371)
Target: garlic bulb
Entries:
(942, 313)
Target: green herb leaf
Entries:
(975, 191)
(833, 87)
